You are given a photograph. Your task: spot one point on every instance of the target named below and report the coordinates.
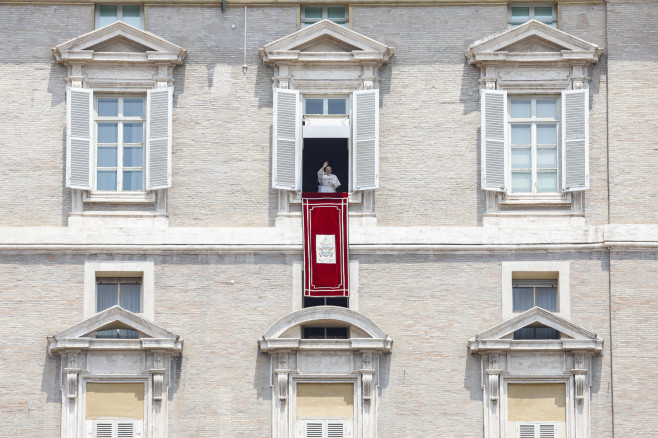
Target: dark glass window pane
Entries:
(108, 107)
(336, 13)
(522, 299)
(313, 13)
(336, 106)
(133, 156)
(314, 106)
(132, 180)
(340, 302)
(313, 301)
(131, 15)
(133, 107)
(313, 333)
(128, 334)
(130, 297)
(107, 295)
(108, 15)
(525, 333)
(337, 333)
(546, 333)
(106, 334)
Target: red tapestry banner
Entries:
(324, 220)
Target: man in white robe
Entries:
(327, 181)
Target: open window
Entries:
(326, 108)
(536, 387)
(535, 120)
(325, 386)
(115, 387)
(119, 121)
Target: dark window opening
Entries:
(528, 294)
(536, 332)
(325, 333)
(117, 334)
(316, 152)
(326, 301)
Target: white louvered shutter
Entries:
(526, 431)
(575, 140)
(365, 138)
(314, 430)
(336, 430)
(493, 139)
(286, 140)
(158, 138)
(79, 142)
(103, 430)
(547, 430)
(125, 430)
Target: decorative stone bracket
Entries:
(72, 382)
(282, 383)
(493, 381)
(366, 380)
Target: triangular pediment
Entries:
(525, 42)
(326, 43)
(571, 335)
(120, 44)
(115, 317)
(119, 38)
(322, 39)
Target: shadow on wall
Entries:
(472, 376)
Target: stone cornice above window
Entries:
(532, 42)
(371, 338)
(152, 336)
(119, 42)
(324, 42)
(534, 57)
(574, 338)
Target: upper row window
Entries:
(129, 14)
(120, 144)
(313, 14)
(520, 13)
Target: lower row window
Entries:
(124, 292)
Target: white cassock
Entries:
(325, 182)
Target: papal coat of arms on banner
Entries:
(325, 248)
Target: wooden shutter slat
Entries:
(158, 141)
(366, 139)
(493, 139)
(575, 140)
(79, 142)
(286, 139)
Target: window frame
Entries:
(505, 380)
(511, 23)
(143, 269)
(297, 426)
(305, 22)
(534, 284)
(533, 121)
(140, 425)
(120, 119)
(97, 14)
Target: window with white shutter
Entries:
(352, 153)
(119, 144)
(534, 146)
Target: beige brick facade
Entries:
(427, 261)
